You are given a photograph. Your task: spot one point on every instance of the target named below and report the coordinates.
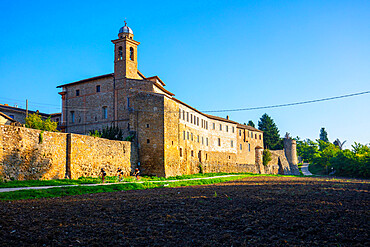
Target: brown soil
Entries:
(256, 211)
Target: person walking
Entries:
(120, 174)
(103, 174)
(137, 173)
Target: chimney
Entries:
(227, 117)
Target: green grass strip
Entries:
(97, 180)
(80, 190)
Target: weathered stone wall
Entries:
(90, 154)
(279, 164)
(31, 154)
(27, 154)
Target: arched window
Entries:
(120, 53)
(132, 54)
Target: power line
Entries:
(291, 104)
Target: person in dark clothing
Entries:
(103, 174)
(120, 174)
(137, 173)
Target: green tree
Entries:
(111, 133)
(324, 135)
(307, 149)
(339, 144)
(271, 137)
(250, 123)
(266, 157)
(35, 121)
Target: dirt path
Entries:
(58, 186)
(304, 169)
(255, 211)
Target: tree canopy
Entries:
(324, 135)
(271, 137)
(250, 123)
(35, 121)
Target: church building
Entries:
(169, 136)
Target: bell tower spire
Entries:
(125, 54)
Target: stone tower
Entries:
(125, 54)
(290, 148)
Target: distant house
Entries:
(19, 114)
(6, 120)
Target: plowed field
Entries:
(256, 211)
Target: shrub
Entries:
(35, 121)
(266, 157)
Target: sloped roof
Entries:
(7, 117)
(87, 80)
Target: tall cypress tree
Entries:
(324, 135)
(271, 137)
(250, 123)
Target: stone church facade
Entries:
(170, 137)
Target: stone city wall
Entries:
(27, 154)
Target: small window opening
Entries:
(241, 146)
(72, 116)
(77, 92)
(120, 53)
(192, 153)
(172, 143)
(147, 141)
(105, 112)
(147, 125)
(98, 88)
(132, 54)
(219, 142)
(180, 152)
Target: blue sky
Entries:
(212, 54)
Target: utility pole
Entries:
(26, 108)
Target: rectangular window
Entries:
(206, 124)
(260, 136)
(241, 146)
(198, 121)
(187, 116)
(184, 134)
(128, 102)
(180, 152)
(98, 88)
(105, 112)
(207, 141)
(213, 126)
(255, 136)
(220, 127)
(191, 136)
(202, 140)
(147, 125)
(248, 134)
(198, 138)
(227, 128)
(183, 115)
(202, 123)
(179, 113)
(187, 135)
(192, 153)
(191, 118)
(72, 116)
(240, 133)
(249, 147)
(206, 156)
(233, 129)
(232, 143)
(219, 141)
(147, 141)
(77, 92)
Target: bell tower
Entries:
(125, 54)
